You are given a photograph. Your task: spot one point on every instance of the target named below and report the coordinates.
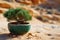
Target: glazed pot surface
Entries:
(18, 28)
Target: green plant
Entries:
(18, 14)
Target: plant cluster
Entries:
(18, 14)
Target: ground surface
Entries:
(38, 31)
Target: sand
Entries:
(38, 31)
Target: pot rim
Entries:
(10, 24)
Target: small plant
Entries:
(20, 15)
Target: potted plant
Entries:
(18, 20)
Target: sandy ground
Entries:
(38, 31)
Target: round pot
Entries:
(18, 29)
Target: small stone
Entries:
(52, 38)
(49, 34)
(37, 9)
(37, 32)
(1, 11)
(30, 34)
(53, 27)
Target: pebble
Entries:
(37, 32)
(30, 34)
(52, 38)
(49, 34)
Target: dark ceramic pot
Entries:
(18, 29)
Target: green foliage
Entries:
(18, 14)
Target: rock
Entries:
(30, 34)
(1, 11)
(5, 5)
(52, 3)
(49, 34)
